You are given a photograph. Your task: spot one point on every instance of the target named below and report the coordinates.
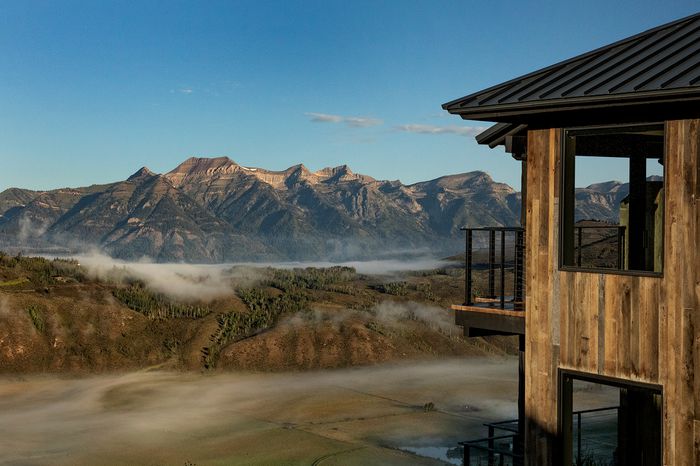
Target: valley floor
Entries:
(358, 416)
(180, 365)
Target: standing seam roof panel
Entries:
(660, 53)
(640, 52)
(641, 77)
(663, 59)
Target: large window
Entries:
(613, 198)
(609, 422)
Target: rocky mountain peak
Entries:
(329, 172)
(212, 209)
(470, 181)
(298, 169)
(475, 178)
(201, 166)
(605, 187)
(143, 172)
(341, 173)
(297, 174)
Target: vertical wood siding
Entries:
(632, 327)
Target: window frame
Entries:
(565, 378)
(561, 191)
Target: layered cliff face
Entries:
(336, 212)
(601, 201)
(212, 210)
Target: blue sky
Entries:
(91, 91)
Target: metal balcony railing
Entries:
(492, 451)
(481, 254)
(594, 432)
(584, 232)
(504, 449)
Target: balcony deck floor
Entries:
(511, 308)
(487, 318)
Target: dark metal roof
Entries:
(496, 134)
(658, 67)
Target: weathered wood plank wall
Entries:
(679, 353)
(633, 327)
(541, 325)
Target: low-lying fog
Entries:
(210, 281)
(358, 416)
(373, 415)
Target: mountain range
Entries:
(215, 210)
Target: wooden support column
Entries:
(523, 192)
(542, 293)
(637, 213)
(680, 328)
(519, 446)
(569, 201)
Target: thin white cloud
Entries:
(351, 121)
(324, 117)
(182, 90)
(361, 122)
(432, 129)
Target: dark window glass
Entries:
(613, 198)
(610, 423)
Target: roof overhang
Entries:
(510, 135)
(659, 105)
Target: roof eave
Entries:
(520, 112)
(493, 133)
(497, 134)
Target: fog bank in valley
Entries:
(169, 418)
(211, 281)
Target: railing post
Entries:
(466, 267)
(518, 272)
(578, 427)
(492, 263)
(580, 247)
(619, 248)
(491, 445)
(503, 269)
(468, 295)
(624, 257)
(466, 460)
(621, 245)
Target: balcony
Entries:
(594, 440)
(600, 246)
(503, 446)
(494, 304)
(494, 282)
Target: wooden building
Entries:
(613, 302)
